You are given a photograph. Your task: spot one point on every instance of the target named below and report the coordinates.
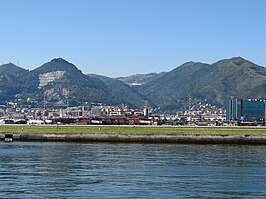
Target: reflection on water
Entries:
(104, 170)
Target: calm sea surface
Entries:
(104, 170)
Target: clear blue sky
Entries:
(123, 37)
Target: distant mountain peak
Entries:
(188, 63)
(192, 63)
(237, 58)
(10, 64)
(57, 64)
(234, 61)
(11, 68)
(59, 59)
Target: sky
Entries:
(124, 37)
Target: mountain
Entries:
(62, 84)
(239, 77)
(12, 70)
(214, 82)
(122, 92)
(57, 64)
(140, 79)
(11, 79)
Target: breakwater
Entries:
(149, 138)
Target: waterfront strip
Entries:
(151, 134)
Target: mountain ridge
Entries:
(215, 82)
(63, 84)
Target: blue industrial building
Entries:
(245, 110)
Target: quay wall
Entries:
(138, 138)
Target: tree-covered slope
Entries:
(62, 83)
(140, 79)
(214, 82)
(12, 70)
(123, 93)
(239, 77)
(11, 81)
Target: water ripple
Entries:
(103, 170)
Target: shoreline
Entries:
(138, 138)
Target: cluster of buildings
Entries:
(246, 111)
(237, 112)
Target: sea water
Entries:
(119, 170)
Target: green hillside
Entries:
(62, 84)
(140, 79)
(12, 70)
(11, 81)
(123, 93)
(214, 82)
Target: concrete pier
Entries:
(139, 138)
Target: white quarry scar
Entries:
(46, 78)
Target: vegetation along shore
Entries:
(134, 130)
